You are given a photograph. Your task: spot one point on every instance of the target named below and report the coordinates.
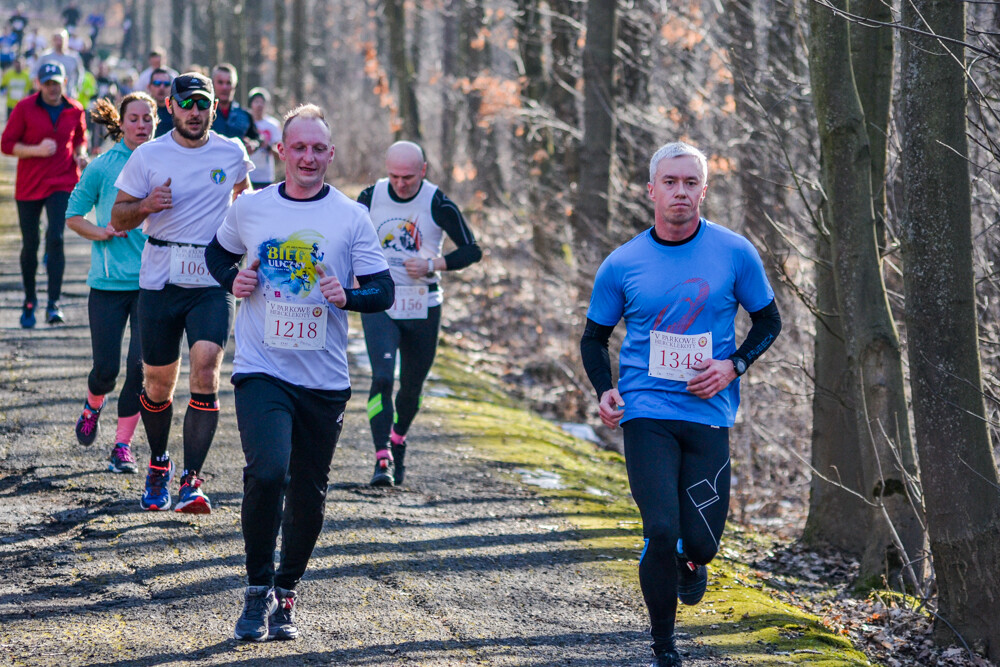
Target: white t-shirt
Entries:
(263, 159)
(290, 238)
(201, 187)
(405, 230)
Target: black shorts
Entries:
(203, 313)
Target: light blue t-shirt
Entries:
(114, 264)
(692, 288)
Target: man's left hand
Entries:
(416, 267)
(715, 375)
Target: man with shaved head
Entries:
(411, 216)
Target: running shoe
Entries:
(157, 495)
(692, 579)
(281, 624)
(258, 605)
(87, 426)
(54, 314)
(383, 469)
(121, 460)
(190, 499)
(398, 456)
(28, 315)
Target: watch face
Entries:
(739, 366)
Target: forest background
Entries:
(853, 142)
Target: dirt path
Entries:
(459, 567)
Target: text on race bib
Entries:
(187, 266)
(673, 356)
(410, 303)
(295, 326)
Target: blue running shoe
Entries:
(157, 495)
(28, 315)
(281, 623)
(258, 605)
(87, 426)
(692, 580)
(190, 499)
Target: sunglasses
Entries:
(202, 103)
(164, 82)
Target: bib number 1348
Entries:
(673, 356)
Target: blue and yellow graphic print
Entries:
(288, 266)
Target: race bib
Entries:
(673, 356)
(187, 266)
(295, 326)
(410, 303)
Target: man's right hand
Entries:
(160, 199)
(246, 280)
(610, 408)
(47, 147)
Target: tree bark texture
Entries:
(960, 481)
(593, 206)
(280, 43)
(402, 72)
(566, 17)
(299, 66)
(177, 23)
(449, 71)
(872, 342)
(872, 52)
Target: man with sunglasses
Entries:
(181, 184)
(159, 88)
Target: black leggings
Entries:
(29, 214)
(678, 472)
(109, 312)
(416, 341)
(289, 434)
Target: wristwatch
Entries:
(430, 268)
(739, 364)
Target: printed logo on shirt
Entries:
(218, 176)
(289, 265)
(399, 234)
(685, 301)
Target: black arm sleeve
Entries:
(376, 293)
(222, 264)
(765, 328)
(596, 360)
(447, 216)
(366, 196)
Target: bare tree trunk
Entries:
(836, 516)
(202, 35)
(960, 483)
(402, 72)
(566, 16)
(147, 27)
(449, 96)
(872, 342)
(476, 57)
(298, 67)
(280, 43)
(177, 8)
(872, 55)
(593, 207)
(253, 13)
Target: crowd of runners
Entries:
(185, 220)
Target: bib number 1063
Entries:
(187, 266)
(674, 356)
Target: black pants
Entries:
(416, 342)
(29, 214)
(289, 434)
(109, 312)
(678, 472)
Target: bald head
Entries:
(404, 162)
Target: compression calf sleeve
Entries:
(156, 420)
(200, 422)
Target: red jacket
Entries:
(29, 123)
